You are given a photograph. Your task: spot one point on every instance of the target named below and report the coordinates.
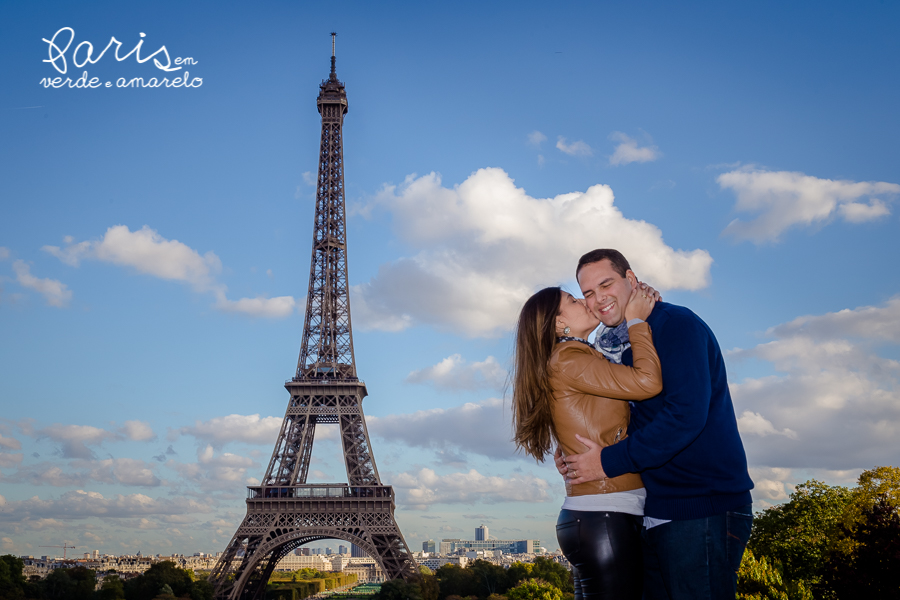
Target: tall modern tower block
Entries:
(285, 511)
(481, 534)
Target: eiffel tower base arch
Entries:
(281, 519)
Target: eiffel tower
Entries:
(284, 511)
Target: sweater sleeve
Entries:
(683, 346)
(588, 372)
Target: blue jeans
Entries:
(696, 559)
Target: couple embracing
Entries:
(657, 490)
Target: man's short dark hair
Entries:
(619, 263)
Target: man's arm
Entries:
(682, 343)
(684, 350)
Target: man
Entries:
(684, 443)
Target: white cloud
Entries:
(453, 373)
(10, 443)
(771, 484)
(628, 150)
(81, 472)
(126, 471)
(10, 459)
(755, 424)
(855, 212)
(578, 148)
(80, 504)
(868, 322)
(834, 402)
(224, 471)
(536, 137)
(75, 439)
(785, 199)
(279, 307)
(137, 431)
(4, 253)
(46, 473)
(484, 246)
(483, 428)
(423, 488)
(309, 178)
(250, 429)
(147, 252)
(54, 292)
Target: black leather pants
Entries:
(604, 549)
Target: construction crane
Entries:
(63, 547)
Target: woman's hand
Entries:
(641, 302)
(650, 291)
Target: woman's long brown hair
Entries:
(531, 392)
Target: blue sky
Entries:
(154, 243)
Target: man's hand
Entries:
(560, 460)
(581, 468)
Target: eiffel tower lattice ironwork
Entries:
(285, 511)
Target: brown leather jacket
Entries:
(590, 395)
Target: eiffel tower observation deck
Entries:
(285, 511)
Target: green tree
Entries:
(519, 571)
(870, 570)
(165, 593)
(534, 589)
(12, 581)
(881, 484)
(202, 589)
(148, 585)
(398, 589)
(453, 580)
(760, 580)
(77, 583)
(112, 588)
(553, 573)
(799, 533)
(428, 584)
(488, 578)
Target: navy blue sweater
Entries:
(685, 441)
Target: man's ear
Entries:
(631, 277)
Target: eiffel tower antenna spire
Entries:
(333, 35)
(284, 511)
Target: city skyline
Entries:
(154, 242)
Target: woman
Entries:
(562, 387)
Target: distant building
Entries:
(428, 546)
(342, 549)
(365, 569)
(439, 561)
(451, 546)
(357, 552)
(292, 562)
(481, 533)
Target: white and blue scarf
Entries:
(612, 342)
